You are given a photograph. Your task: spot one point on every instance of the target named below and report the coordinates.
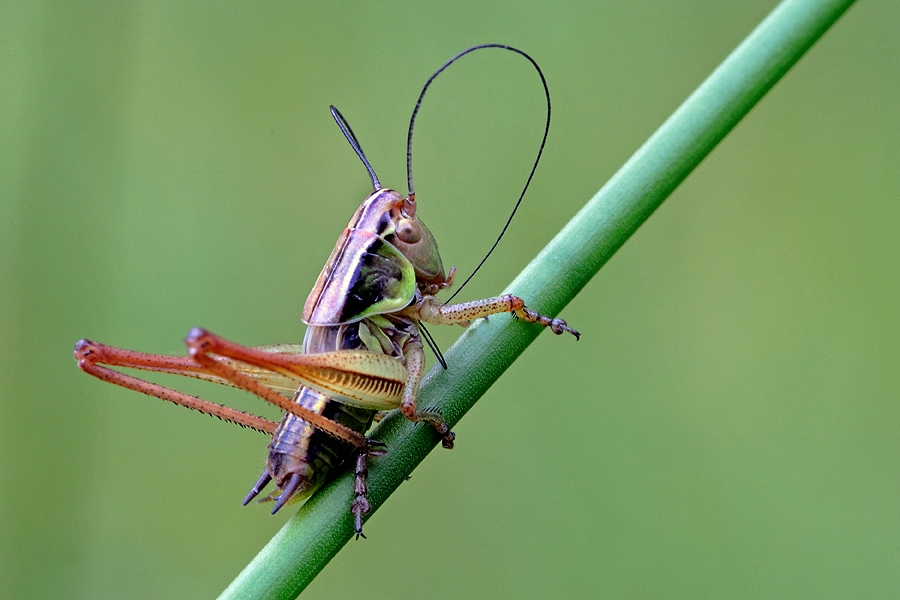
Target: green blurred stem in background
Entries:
(306, 543)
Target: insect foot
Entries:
(360, 504)
(557, 326)
(447, 436)
(433, 418)
(447, 441)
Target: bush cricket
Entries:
(363, 350)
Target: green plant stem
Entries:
(312, 537)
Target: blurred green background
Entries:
(728, 426)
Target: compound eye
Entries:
(409, 231)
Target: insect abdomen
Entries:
(298, 448)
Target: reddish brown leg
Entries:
(200, 364)
(91, 355)
(215, 359)
(203, 344)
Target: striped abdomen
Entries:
(299, 448)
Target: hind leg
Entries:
(360, 504)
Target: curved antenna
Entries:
(412, 121)
(354, 143)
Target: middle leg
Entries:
(415, 368)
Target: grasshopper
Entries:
(362, 353)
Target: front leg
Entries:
(432, 310)
(415, 368)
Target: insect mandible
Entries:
(362, 353)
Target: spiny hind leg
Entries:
(203, 346)
(91, 357)
(431, 310)
(415, 368)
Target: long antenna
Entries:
(426, 335)
(412, 121)
(354, 143)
